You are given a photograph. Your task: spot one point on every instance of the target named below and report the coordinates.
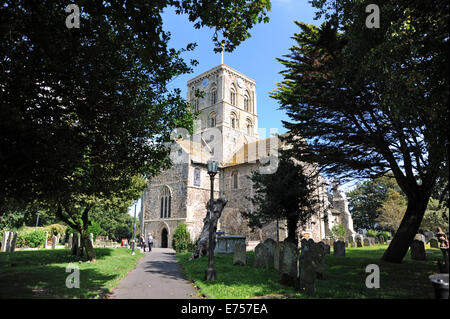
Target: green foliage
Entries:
(371, 233)
(55, 229)
(366, 199)
(181, 239)
(385, 234)
(31, 239)
(392, 211)
(339, 232)
(435, 216)
(95, 229)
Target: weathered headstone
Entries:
(308, 270)
(359, 242)
(13, 242)
(326, 248)
(420, 237)
(367, 241)
(8, 241)
(319, 258)
(261, 256)
(276, 256)
(54, 238)
(5, 240)
(418, 250)
(270, 244)
(288, 264)
(434, 243)
(381, 239)
(339, 248)
(70, 241)
(46, 238)
(239, 255)
(58, 238)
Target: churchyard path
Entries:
(156, 276)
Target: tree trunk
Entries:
(292, 230)
(408, 228)
(87, 245)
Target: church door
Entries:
(164, 239)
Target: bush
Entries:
(339, 232)
(181, 239)
(32, 239)
(371, 233)
(385, 234)
(95, 229)
(55, 229)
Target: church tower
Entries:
(228, 114)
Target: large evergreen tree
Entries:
(288, 195)
(370, 101)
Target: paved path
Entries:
(156, 276)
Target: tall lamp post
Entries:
(211, 273)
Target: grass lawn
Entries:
(344, 277)
(42, 273)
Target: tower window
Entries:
(246, 103)
(233, 96)
(197, 104)
(234, 121)
(234, 179)
(249, 127)
(166, 202)
(213, 96)
(212, 119)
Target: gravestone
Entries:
(434, 243)
(418, 250)
(63, 239)
(261, 256)
(46, 238)
(239, 255)
(270, 244)
(70, 241)
(318, 257)
(58, 237)
(326, 248)
(420, 237)
(9, 240)
(339, 248)
(308, 269)
(366, 241)
(381, 239)
(13, 242)
(54, 238)
(74, 248)
(276, 256)
(288, 264)
(359, 242)
(5, 240)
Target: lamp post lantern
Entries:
(211, 273)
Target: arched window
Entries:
(212, 119)
(249, 127)
(233, 96)
(234, 179)
(213, 96)
(196, 104)
(246, 102)
(166, 203)
(234, 121)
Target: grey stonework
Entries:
(420, 237)
(242, 152)
(434, 243)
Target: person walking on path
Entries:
(142, 242)
(150, 242)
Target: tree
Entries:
(372, 101)
(85, 110)
(366, 199)
(339, 232)
(435, 216)
(392, 211)
(287, 194)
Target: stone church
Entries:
(226, 130)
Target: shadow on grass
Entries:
(344, 277)
(42, 274)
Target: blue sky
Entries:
(256, 57)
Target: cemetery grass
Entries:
(42, 273)
(344, 277)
